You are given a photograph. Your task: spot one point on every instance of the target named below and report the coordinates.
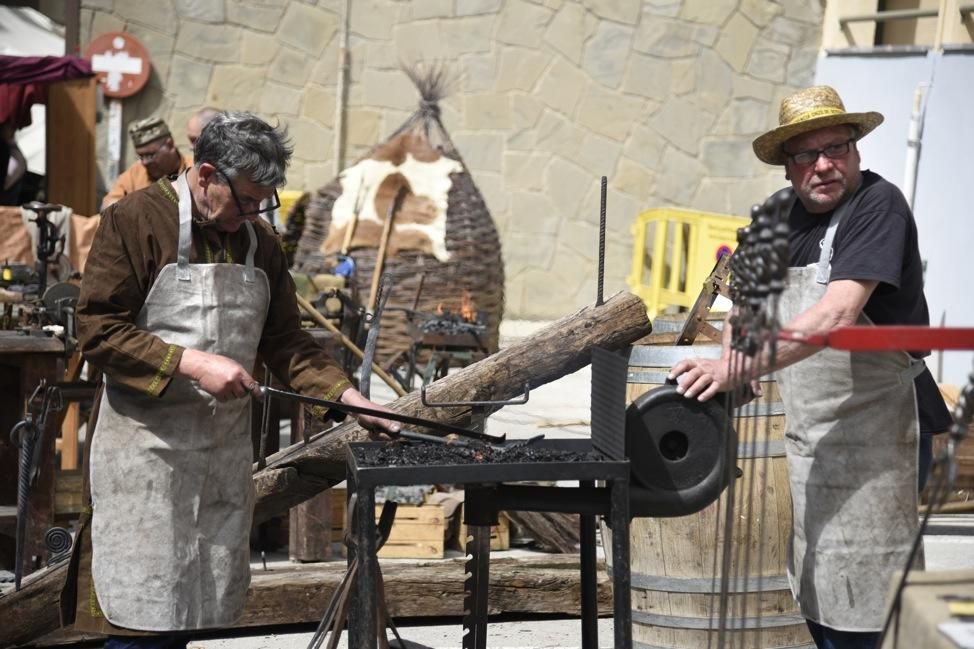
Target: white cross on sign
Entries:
(115, 64)
(122, 63)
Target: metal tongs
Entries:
(438, 427)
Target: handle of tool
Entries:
(384, 245)
(323, 321)
(349, 233)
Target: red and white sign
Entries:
(122, 63)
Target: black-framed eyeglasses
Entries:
(260, 210)
(832, 152)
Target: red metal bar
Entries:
(886, 338)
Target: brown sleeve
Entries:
(117, 278)
(289, 351)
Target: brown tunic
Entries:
(137, 237)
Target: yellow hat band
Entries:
(817, 112)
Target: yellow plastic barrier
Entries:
(288, 198)
(673, 252)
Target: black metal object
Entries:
(489, 494)
(601, 278)
(47, 239)
(28, 436)
(676, 446)
(384, 414)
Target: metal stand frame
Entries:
(610, 501)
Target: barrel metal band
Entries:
(667, 584)
(705, 623)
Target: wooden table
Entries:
(923, 608)
(24, 362)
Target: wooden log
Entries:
(298, 594)
(302, 470)
(551, 531)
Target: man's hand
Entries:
(701, 377)
(220, 376)
(353, 397)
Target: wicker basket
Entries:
(475, 266)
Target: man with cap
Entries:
(854, 419)
(183, 287)
(157, 155)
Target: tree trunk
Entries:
(301, 471)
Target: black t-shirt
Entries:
(877, 240)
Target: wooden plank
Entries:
(71, 144)
(298, 594)
(67, 493)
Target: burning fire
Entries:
(466, 308)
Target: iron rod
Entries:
(601, 281)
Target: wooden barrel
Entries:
(675, 596)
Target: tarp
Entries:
(22, 80)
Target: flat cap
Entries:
(147, 130)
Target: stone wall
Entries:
(662, 96)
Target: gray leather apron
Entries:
(851, 439)
(171, 486)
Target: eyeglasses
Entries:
(149, 157)
(240, 210)
(832, 152)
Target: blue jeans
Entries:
(146, 642)
(828, 638)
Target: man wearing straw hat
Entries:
(853, 429)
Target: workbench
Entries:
(924, 606)
(24, 362)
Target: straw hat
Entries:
(807, 110)
(147, 130)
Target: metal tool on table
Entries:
(440, 427)
(28, 436)
(47, 239)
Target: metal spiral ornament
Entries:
(58, 542)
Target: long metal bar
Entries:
(893, 14)
(590, 603)
(886, 338)
(383, 414)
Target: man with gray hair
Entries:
(184, 286)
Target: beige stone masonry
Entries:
(661, 96)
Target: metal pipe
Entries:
(884, 16)
(563, 500)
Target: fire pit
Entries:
(443, 340)
(487, 492)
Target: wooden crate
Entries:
(419, 532)
(500, 534)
